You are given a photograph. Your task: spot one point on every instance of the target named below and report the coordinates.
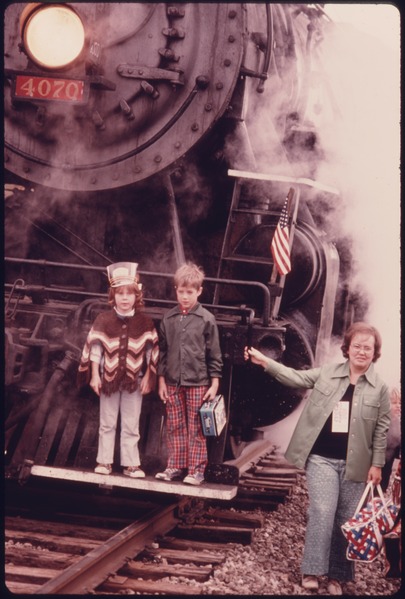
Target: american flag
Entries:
(280, 245)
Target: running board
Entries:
(205, 490)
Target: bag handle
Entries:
(368, 490)
(381, 494)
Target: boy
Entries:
(119, 360)
(189, 370)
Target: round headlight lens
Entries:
(53, 36)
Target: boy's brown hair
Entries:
(189, 275)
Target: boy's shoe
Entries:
(170, 474)
(103, 469)
(134, 472)
(194, 479)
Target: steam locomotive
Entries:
(130, 134)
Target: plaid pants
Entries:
(186, 444)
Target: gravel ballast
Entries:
(271, 564)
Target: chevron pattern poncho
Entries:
(129, 344)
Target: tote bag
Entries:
(373, 518)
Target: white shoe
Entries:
(194, 479)
(310, 582)
(134, 472)
(334, 587)
(103, 469)
(170, 474)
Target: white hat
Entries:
(122, 273)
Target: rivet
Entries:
(158, 158)
(194, 127)
(232, 14)
(219, 85)
(208, 107)
(227, 62)
(202, 81)
(231, 39)
(137, 169)
(177, 144)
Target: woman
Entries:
(340, 439)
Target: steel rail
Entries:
(97, 565)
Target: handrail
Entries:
(101, 269)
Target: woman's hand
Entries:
(374, 475)
(255, 356)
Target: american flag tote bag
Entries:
(374, 517)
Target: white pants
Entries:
(129, 406)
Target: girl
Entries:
(119, 360)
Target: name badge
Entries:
(340, 418)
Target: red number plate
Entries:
(32, 87)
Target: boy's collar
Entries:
(195, 307)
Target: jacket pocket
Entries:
(369, 408)
(321, 393)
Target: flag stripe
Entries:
(280, 245)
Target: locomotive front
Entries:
(125, 130)
(101, 95)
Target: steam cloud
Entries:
(354, 104)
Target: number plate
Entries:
(31, 87)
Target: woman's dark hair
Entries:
(136, 288)
(366, 329)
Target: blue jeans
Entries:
(332, 501)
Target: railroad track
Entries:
(82, 544)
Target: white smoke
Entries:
(354, 102)
(365, 74)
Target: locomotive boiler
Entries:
(129, 134)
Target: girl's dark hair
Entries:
(361, 327)
(136, 288)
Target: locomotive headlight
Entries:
(53, 35)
